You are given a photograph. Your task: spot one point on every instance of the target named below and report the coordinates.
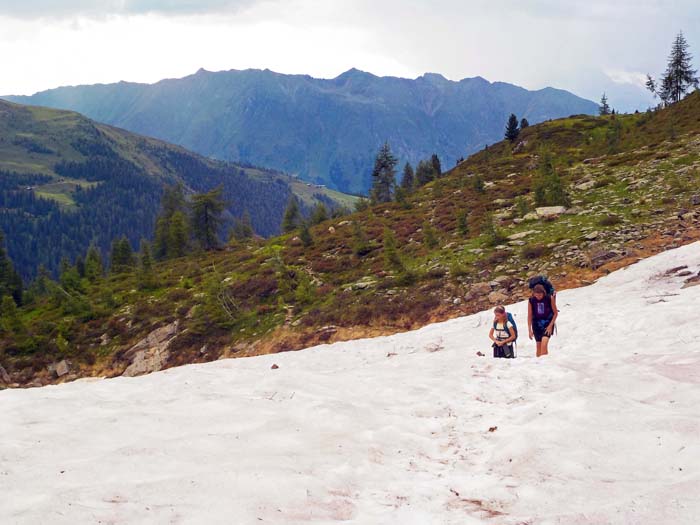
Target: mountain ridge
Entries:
(325, 131)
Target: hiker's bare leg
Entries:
(542, 348)
(538, 344)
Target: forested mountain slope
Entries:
(66, 181)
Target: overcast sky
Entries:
(586, 46)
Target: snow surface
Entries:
(392, 430)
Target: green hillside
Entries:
(66, 181)
(460, 244)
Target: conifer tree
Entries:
(292, 216)
(173, 209)
(424, 173)
(93, 264)
(146, 274)
(319, 213)
(462, 226)
(243, 227)
(383, 176)
(524, 123)
(407, 180)
(680, 75)
(178, 235)
(69, 277)
(512, 130)
(360, 245)
(10, 322)
(206, 217)
(122, 256)
(429, 235)
(10, 281)
(392, 260)
(549, 189)
(604, 108)
(437, 166)
(305, 234)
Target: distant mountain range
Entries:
(66, 181)
(325, 131)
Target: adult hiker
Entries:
(541, 316)
(503, 333)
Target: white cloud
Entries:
(634, 78)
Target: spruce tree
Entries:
(549, 188)
(10, 322)
(305, 234)
(462, 226)
(173, 202)
(604, 108)
(93, 264)
(407, 180)
(429, 235)
(178, 235)
(243, 227)
(10, 281)
(146, 275)
(512, 130)
(122, 256)
(360, 244)
(437, 166)
(383, 176)
(424, 173)
(680, 75)
(392, 260)
(292, 216)
(319, 213)
(524, 123)
(206, 217)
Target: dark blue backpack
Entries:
(541, 279)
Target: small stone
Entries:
(550, 211)
(61, 368)
(274, 367)
(592, 236)
(480, 289)
(521, 235)
(497, 297)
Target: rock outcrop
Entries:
(151, 353)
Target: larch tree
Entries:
(206, 217)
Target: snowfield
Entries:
(414, 428)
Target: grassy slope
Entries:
(641, 169)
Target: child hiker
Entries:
(541, 315)
(503, 333)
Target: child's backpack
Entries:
(511, 321)
(541, 279)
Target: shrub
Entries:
(610, 220)
(534, 251)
